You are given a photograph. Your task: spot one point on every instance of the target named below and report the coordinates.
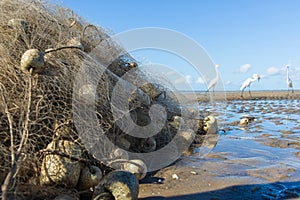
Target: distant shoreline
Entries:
(236, 95)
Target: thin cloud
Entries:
(188, 79)
(200, 80)
(172, 73)
(245, 68)
(295, 74)
(185, 80)
(272, 71)
(228, 83)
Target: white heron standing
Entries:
(214, 81)
(248, 82)
(288, 80)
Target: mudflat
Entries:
(259, 161)
(255, 95)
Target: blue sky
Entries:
(243, 36)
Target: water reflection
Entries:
(270, 141)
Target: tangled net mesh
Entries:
(36, 108)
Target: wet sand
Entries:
(264, 95)
(236, 95)
(218, 176)
(238, 168)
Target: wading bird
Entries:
(288, 80)
(214, 81)
(248, 82)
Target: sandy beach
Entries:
(241, 166)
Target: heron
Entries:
(288, 80)
(214, 81)
(248, 82)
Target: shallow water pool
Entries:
(268, 149)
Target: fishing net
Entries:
(37, 99)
